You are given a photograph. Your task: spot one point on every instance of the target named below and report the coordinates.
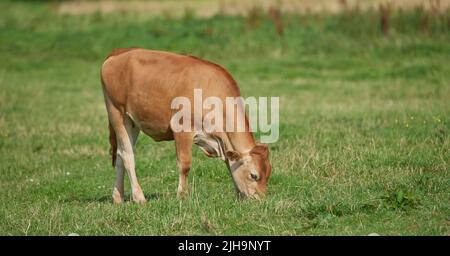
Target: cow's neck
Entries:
(241, 142)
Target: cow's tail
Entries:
(112, 133)
(113, 144)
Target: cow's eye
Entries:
(254, 176)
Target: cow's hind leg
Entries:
(183, 144)
(126, 139)
(126, 135)
(118, 191)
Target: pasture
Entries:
(364, 124)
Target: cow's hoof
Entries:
(117, 200)
(117, 197)
(139, 199)
(182, 194)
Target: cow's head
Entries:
(250, 171)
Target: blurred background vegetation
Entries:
(177, 25)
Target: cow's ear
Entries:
(233, 155)
(261, 149)
(210, 145)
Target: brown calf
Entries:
(139, 86)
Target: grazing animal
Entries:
(139, 86)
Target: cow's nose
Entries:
(242, 195)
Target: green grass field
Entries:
(364, 125)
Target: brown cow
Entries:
(139, 86)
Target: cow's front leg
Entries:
(184, 169)
(183, 144)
